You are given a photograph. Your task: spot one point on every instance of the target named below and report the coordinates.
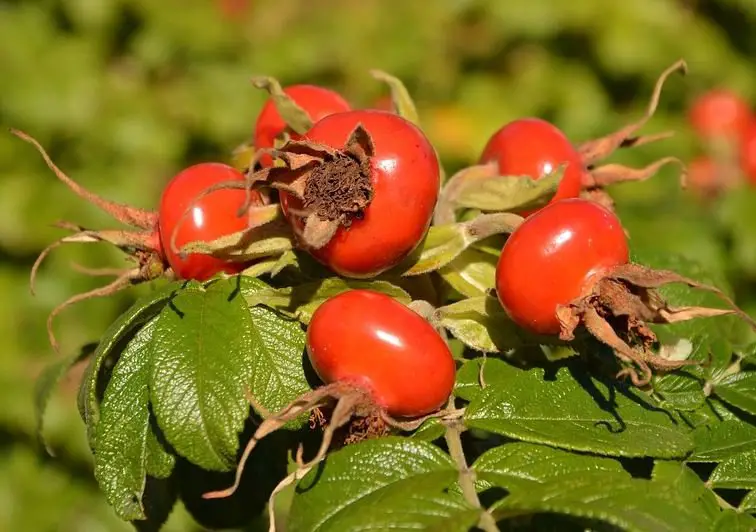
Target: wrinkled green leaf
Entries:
(517, 466)
(202, 364)
(159, 460)
(278, 348)
(112, 341)
(739, 390)
(472, 274)
(684, 481)
(444, 243)
(736, 472)
(430, 430)
(634, 505)
(481, 324)
(122, 434)
(572, 410)
(684, 389)
(732, 521)
(507, 193)
(719, 441)
(302, 300)
(388, 483)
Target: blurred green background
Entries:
(124, 93)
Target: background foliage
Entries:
(125, 93)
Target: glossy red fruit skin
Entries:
(372, 341)
(406, 178)
(535, 147)
(748, 154)
(720, 112)
(212, 217)
(552, 257)
(318, 102)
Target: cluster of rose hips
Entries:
(358, 190)
(726, 130)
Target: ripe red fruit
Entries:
(405, 178)
(748, 153)
(533, 147)
(720, 112)
(213, 216)
(318, 102)
(551, 259)
(374, 342)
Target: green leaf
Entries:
(202, 365)
(481, 324)
(739, 390)
(736, 472)
(113, 341)
(444, 243)
(748, 504)
(732, 521)
(122, 433)
(400, 96)
(719, 441)
(517, 465)
(684, 389)
(684, 480)
(159, 461)
(430, 430)
(278, 375)
(292, 114)
(472, 274)
(507, 193)
(634, 505)
(387, 483)
(302, 300)
(46, 384)
(572, 410)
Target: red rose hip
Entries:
(552, 258)
(211, 217)
(533, 147)
(404, 177)
(374, 342)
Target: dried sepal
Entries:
(618, 306)
(126, 214)
(598, 149)
(609, 174)
(331, 186)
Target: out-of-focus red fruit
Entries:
(720, 113)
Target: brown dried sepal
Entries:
(333, 185)
(345, 412)
(148, 266)
(599, 149)
(618, 307)
(609, 174)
